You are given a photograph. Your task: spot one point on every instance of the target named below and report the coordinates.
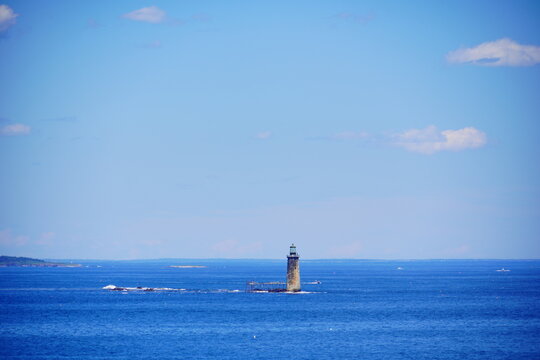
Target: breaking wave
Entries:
(152, 289)
(138, 288)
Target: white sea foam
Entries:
(140, 288)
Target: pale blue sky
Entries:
(357, 129)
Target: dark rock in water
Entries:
(277, 290)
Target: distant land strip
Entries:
(6, 261)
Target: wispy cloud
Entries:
(264, 135)
(351, 135)
(502, 52)
(151, 14)
(431, 140)
(8, 239)
(7, 17)
(14, 129)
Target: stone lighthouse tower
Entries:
(293, 270)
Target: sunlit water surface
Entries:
(461, 309)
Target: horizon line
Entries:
(305, 259)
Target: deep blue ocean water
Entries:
(458, 309)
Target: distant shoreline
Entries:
(14, 261)
(45, 265)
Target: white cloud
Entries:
(8, 239)
(351, 135)
(431, 140)
(14, 129)
(264, 135)
(7, 17)
(502, 52)
(151, 14)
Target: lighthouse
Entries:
(293, 270)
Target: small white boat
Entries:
(502, 270)
(399, 268)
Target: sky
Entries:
(230, 129)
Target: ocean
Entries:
(417, 309)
